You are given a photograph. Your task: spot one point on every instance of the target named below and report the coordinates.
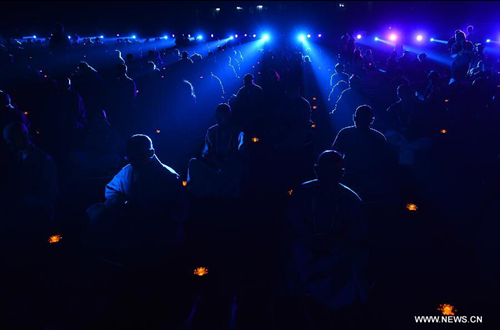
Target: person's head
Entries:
(422, 57)
(223, 114)
(470, 29)
(339, 68)
(59, 28)
(307, 59)
(17, 137)
(184, 55)
(4, 99)
(248, 79)
(129, 58)
(363, 117)
(355, 82)
(151, 66)
(329, 168)
(139, 150)
(459, 36)
(405, 92)
(64, 84)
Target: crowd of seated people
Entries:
(287, 179)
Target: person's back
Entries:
(338, 76)
(347, 103)
(327, 221)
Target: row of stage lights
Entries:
(393, 37)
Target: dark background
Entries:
(155, 18)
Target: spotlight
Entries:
(189, 36)
(432, 39)
(246, 35)
(231, 38)
(358, 36)
(376, 39)
(34, 37)
(133, 37)
(165, 37)
(260, 7)
(488, 40)
(173, 35)
(308, 36)
(254, 35)
(217, 9)
(117, 34)
(319, 35)
(420, 38)
(102, 37)
(393, 37)
(236, 36)
(212, 35)
(239, 8)
(69, 37)
(302, 38)
(265, 37)
(200, 37)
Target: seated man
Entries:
(141, 207)
(145, 185)
(217, 173)
(328, 226)
(365, 152)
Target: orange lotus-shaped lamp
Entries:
(54, 239)
(447, 309)
(201, 271)
(411, 207)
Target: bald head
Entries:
(139, 150)
(329, 168)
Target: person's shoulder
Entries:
(394, 106)
(309, 185)
(378, 135)
(349, 193)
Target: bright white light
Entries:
(260, 7)
(358, 36)
(189, 36)
(217, 9)
(212, 35)
(165, 37)
(319, 35)
(488, 40)
(102, 37)
(231, 38)
(236, 36)
(432, 39)
(69, 37)
(133, 37)
(34, 37)
(302, 38)
(239, 8)
(265, 37)
(393, 37)
(308, 36)
(420, 37)
(376, 38)
(254, 35)
(200, 37)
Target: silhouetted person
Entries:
(462, 52)
(250, 98)
(365, 153)
(141, 207)
(339, 75)
(59, 42)
(328, 225)
(120, 107)
(217, 172)
(347, 103)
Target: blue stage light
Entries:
(236, 36)
(133, 37)
(265, 37)
(420, 37)
(488, 40)
(200, 37)
(102, 37)
(432, 39)
(34, 37)
(302, 38)
(69, 37)
(358, 36)
(376, 39)
(231, 38)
